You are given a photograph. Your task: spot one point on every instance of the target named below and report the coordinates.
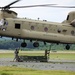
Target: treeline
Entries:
(9, 44)
(12, 44)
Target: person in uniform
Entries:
(16, 52)
(47, 52)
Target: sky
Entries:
(44, 13)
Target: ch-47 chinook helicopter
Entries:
(28, 29)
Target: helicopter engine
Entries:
(70, 19)
(7, 14)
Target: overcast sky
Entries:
(44, 13)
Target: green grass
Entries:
(65, 56)
(14, 70)
(59, 56)
(6, 55)
(22, 71)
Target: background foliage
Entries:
(12, 44)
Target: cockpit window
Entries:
(68, 17)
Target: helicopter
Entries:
(28, 29)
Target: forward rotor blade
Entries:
(8, 6)
(42, 5)
(1, 7)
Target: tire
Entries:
(36, 44)
(67, 47)
(23, 44)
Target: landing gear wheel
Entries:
(67, 47)
(23, 44)
(36, 44)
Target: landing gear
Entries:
(44, 43)
(36, 44)
(67, 47)
(23, 44)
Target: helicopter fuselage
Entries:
(38, 30)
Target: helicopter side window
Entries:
(17, 25)
(68, 17)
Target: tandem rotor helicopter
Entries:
(28, 29)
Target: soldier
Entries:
(46, 52)
(16, 55)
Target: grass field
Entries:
(69, 55)
(23, 71)
(63, 56)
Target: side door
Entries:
(17, 28)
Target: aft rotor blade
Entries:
(42, 5)
(62, 6)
